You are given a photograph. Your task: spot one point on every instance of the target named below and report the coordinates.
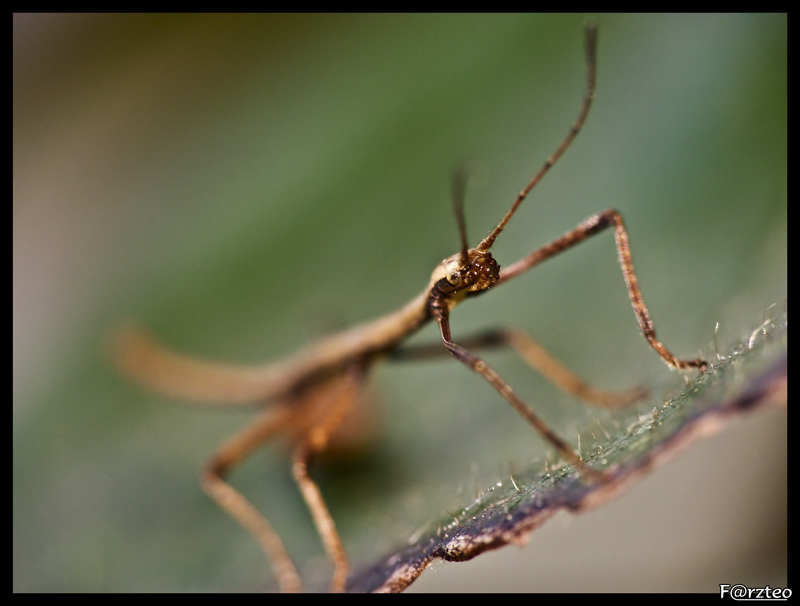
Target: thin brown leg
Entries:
(310, 419)
(316, 440)
(504, 389)
(539, 359)
(562, 377)
(590, 227)
(239, 508)
(322, 518)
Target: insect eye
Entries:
(454, 278)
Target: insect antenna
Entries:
(590, 43)
(459, 186)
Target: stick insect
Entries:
(308, 395)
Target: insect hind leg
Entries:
(314, 441)
(229, 455)
(308, 420)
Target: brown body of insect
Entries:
(310, 393)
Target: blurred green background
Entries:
(244, 184)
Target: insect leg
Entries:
(237, 506)
(314, 441)
(539, 359)
(562, 377)
(590, 227)
(504, 389)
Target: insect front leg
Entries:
(504, 389)
(590, 227)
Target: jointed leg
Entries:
(538, 358)
(590, 227)
(561, 376)
(488, 373)
(237, 506)
(315, 441)
(311, 419)
(322, 517)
